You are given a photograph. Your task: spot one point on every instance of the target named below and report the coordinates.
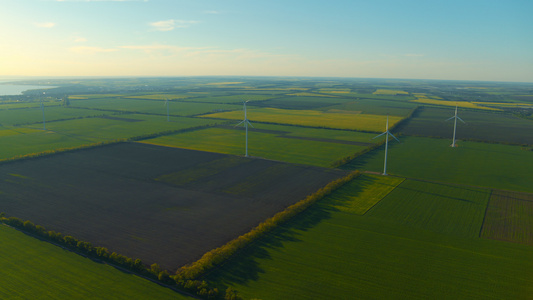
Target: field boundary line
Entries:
(95, 259)
(384, 196)
(485, 214)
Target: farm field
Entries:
(33, 269)
(284, 143)
(19, 141)
(358, 196)
(151, 202)
(331, 253)
(479, 164)
(375, 107)
(152, 106)
(340, 120)
(448, 223)
(464, 104)
(301, 102)
(35, 115)
(231, 99)
(483, 126)
(509, 217)
(452, 210)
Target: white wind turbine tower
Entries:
(386, 144)
(246, 123)
(455, 125)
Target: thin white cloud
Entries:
(45, 24)
(212, 12)
(91, 50)
(168, 25)
(80, 39)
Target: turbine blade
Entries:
(461, 119)
(449, 118)
(240, 123)
(250, 123)
(379, 135)
(394, 137)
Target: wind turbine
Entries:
(246, 123)
(168, 110)
(455, 125)
(42, 109)
(386, 144)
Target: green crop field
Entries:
(19, 141)
(235, 99)
(340, 119)
(480, 164)
(33, 269)
(434, 206)
(375, 107)
(330, 253)
(485, 126)
(301, 102)
(270, 145)
(509, 217)
(360, 195)
(35, 115)
(152, 106)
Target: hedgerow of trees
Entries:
(187, 277)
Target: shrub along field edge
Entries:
(187, 277)
(216, 256)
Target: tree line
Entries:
(188, 277)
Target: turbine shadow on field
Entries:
(246, 266)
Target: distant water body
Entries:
(17, 89)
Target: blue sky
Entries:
(458, 40)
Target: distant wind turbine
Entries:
(386, 144)
(246, 123)
(455, 125)
(42, 109)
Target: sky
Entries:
(419, 39)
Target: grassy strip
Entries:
(153, 272)
(101, 144)
(218, 255)
(60, 150)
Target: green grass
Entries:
(437, 207)
(480, 164)
(33, 269)
(330, 253)
(509, 217)
(106, 129)
(362, 194)
(30, 139)
(266, 145)
(35, 115)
